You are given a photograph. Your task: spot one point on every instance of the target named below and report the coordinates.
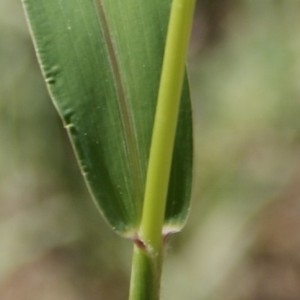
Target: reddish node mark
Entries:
(166, 237)
(139, 243)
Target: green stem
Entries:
(145, 276)
(147, 257)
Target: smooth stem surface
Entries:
(165, 123)
(145, 276)
(147, 257)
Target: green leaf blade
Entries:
(180, 186)
(101, 61)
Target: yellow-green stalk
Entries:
(148, 249)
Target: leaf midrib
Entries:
(131, 144)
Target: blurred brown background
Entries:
(242, 240)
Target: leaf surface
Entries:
(101, 60)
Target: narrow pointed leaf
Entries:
(101, 60)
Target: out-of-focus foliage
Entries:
(241, 241)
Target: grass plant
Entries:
(116, 74)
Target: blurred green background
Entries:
(242, 239)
